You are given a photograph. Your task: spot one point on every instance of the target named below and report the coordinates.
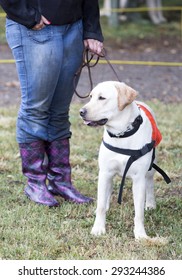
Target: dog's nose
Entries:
(83, 112)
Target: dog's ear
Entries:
(126, 95)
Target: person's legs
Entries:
(38, 56)
(58, 149)
(59, 125)
(46, 61)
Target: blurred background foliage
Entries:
(137, 26)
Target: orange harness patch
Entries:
(156, 135)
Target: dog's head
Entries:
(107, 99)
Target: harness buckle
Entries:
(147, 148)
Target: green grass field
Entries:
(31, 231)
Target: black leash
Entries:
(105, 55)
(90, 60)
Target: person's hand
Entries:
(93, 45)
(43, 22)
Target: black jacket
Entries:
(58, 12)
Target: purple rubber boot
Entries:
(32, 155)
(59, 173)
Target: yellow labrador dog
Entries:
(127, 149)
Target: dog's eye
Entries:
(101, 98)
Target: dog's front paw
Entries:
(140, 233)
(98, 231)
(141, 237)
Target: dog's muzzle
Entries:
(83, 113)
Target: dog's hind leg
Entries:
(139, 192)
(103, 197)
(150, 196)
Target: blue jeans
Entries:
(46, 62)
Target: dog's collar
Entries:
(132, 129)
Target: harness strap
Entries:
(164, 175)
(134, 155)
(129, 163)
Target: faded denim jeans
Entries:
(46, 62)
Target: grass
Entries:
(30, 231)
(142, 31)
(2, 30)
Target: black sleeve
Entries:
(91, 20)
(21, 12)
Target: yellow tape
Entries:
(145, 9)
(6, 61)
(121, 62)
(144, 63)
(2, 15)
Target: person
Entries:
(47, 39)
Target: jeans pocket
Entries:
(40, 36)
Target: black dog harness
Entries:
(135, 154)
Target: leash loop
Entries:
(88, 62)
